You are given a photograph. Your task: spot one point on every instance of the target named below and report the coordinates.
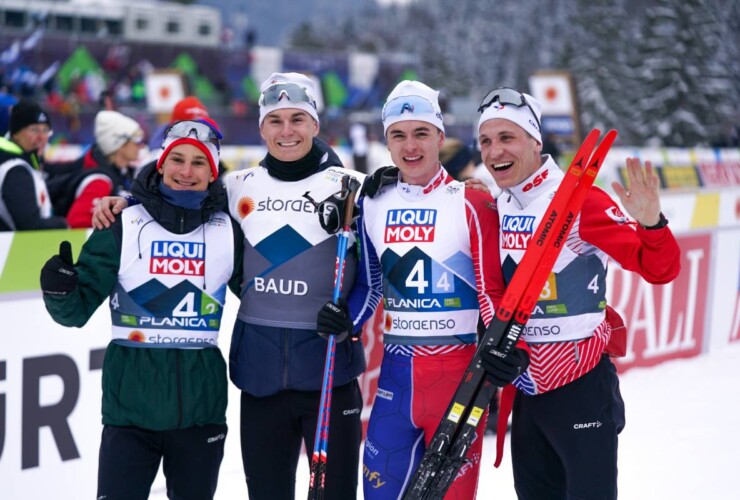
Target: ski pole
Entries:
(317, 480)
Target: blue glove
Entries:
(503, 371)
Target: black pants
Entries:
(130, 456)
(564, 442)
(273, 427)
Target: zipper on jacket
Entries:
(348, 348)
(284, 334)
(178, 379)
(182, 222)
(577, 354)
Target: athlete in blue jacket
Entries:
(277, 357)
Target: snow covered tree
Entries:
(686, 88)
(598, 55)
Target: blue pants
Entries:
(413, 395)
(564, 442)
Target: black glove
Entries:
(58, 276)
(503, 371)
(331, 210)
(381, 177)
(333, 319)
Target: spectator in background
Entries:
(24, 198)
(360, 146)
(550, 146)
(6, 104)
(105, 169)
(457, 157)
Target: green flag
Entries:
(79, 64)
(335, 93)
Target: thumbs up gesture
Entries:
(58, 276)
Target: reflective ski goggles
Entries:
(507, 97)
(412, 104)
(276, 93)
(200, 130)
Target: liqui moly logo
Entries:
(410, 225)
(178, 257)
(516, 231)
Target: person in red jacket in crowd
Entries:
(105, 169)
(188, 108)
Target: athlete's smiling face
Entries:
(414, 147)
(508, 152)
(186, 168)
(288, 133)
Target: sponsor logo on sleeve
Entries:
(615, 214)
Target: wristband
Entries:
(663, 222)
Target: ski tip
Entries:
(610, 136)
(580, 159)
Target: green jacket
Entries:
(152, 388)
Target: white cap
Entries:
(521, 115)
(113, 130)
(298, 79)
(413, 88)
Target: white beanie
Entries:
(298, 79)
(521, 115)
(413, 88)
(113, 130)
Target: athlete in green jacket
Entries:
(164, 265)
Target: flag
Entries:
(553, 91)
(33, 40)
(10, 55)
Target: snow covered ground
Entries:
(681, 441)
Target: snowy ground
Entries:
(681, 441)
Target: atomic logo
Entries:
(245, 207)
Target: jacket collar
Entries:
(175, 219)
(544, 179)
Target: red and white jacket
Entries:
(568, 331)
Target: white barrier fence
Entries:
(50, 376)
